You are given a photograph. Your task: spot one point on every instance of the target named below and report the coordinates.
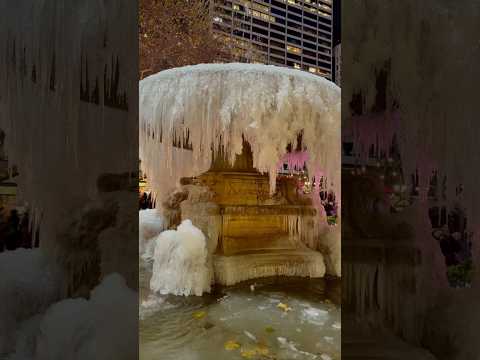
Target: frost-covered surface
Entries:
(150, 225)
(437, 127)
(29, 283)
(60, 140)
(230, 270)
(73, 329)
(329, 242)
(200, 208)
(180, 265)
(211, 105)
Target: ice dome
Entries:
(204, 107)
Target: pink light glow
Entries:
(297, 160)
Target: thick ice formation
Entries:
(433, 116)
(230, 270)
(437, 126)
(180, 262)
(186, 113)
(151, 224)
(62, 121)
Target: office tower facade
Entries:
(292, 33)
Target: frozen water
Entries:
(436, 128)
(56, 138)
(428, 134)
(186, 113)
(180, 262)
(151, 224)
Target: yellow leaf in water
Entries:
(199, 315)
(284, 307)
(269, 329)
(262, 350)
(248, 354)
(231, 345)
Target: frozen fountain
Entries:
(211, 141)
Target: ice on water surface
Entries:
(238, 323)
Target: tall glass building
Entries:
(292, 33)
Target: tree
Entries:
(177, 33)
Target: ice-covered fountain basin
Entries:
(189, 114)
(197, 107)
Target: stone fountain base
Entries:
(230, 270)
(250, 232)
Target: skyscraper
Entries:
(292, 33)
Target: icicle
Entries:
(219, 107)
(59, 142)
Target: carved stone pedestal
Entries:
(258, 235)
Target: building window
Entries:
(263, 16)
(259, 7)
(294, 49)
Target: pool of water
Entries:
(274, 318)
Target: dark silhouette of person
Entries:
(329, 208)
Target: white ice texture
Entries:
(214, 105)
(57, 141)
(151, 224)
(180, 262)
